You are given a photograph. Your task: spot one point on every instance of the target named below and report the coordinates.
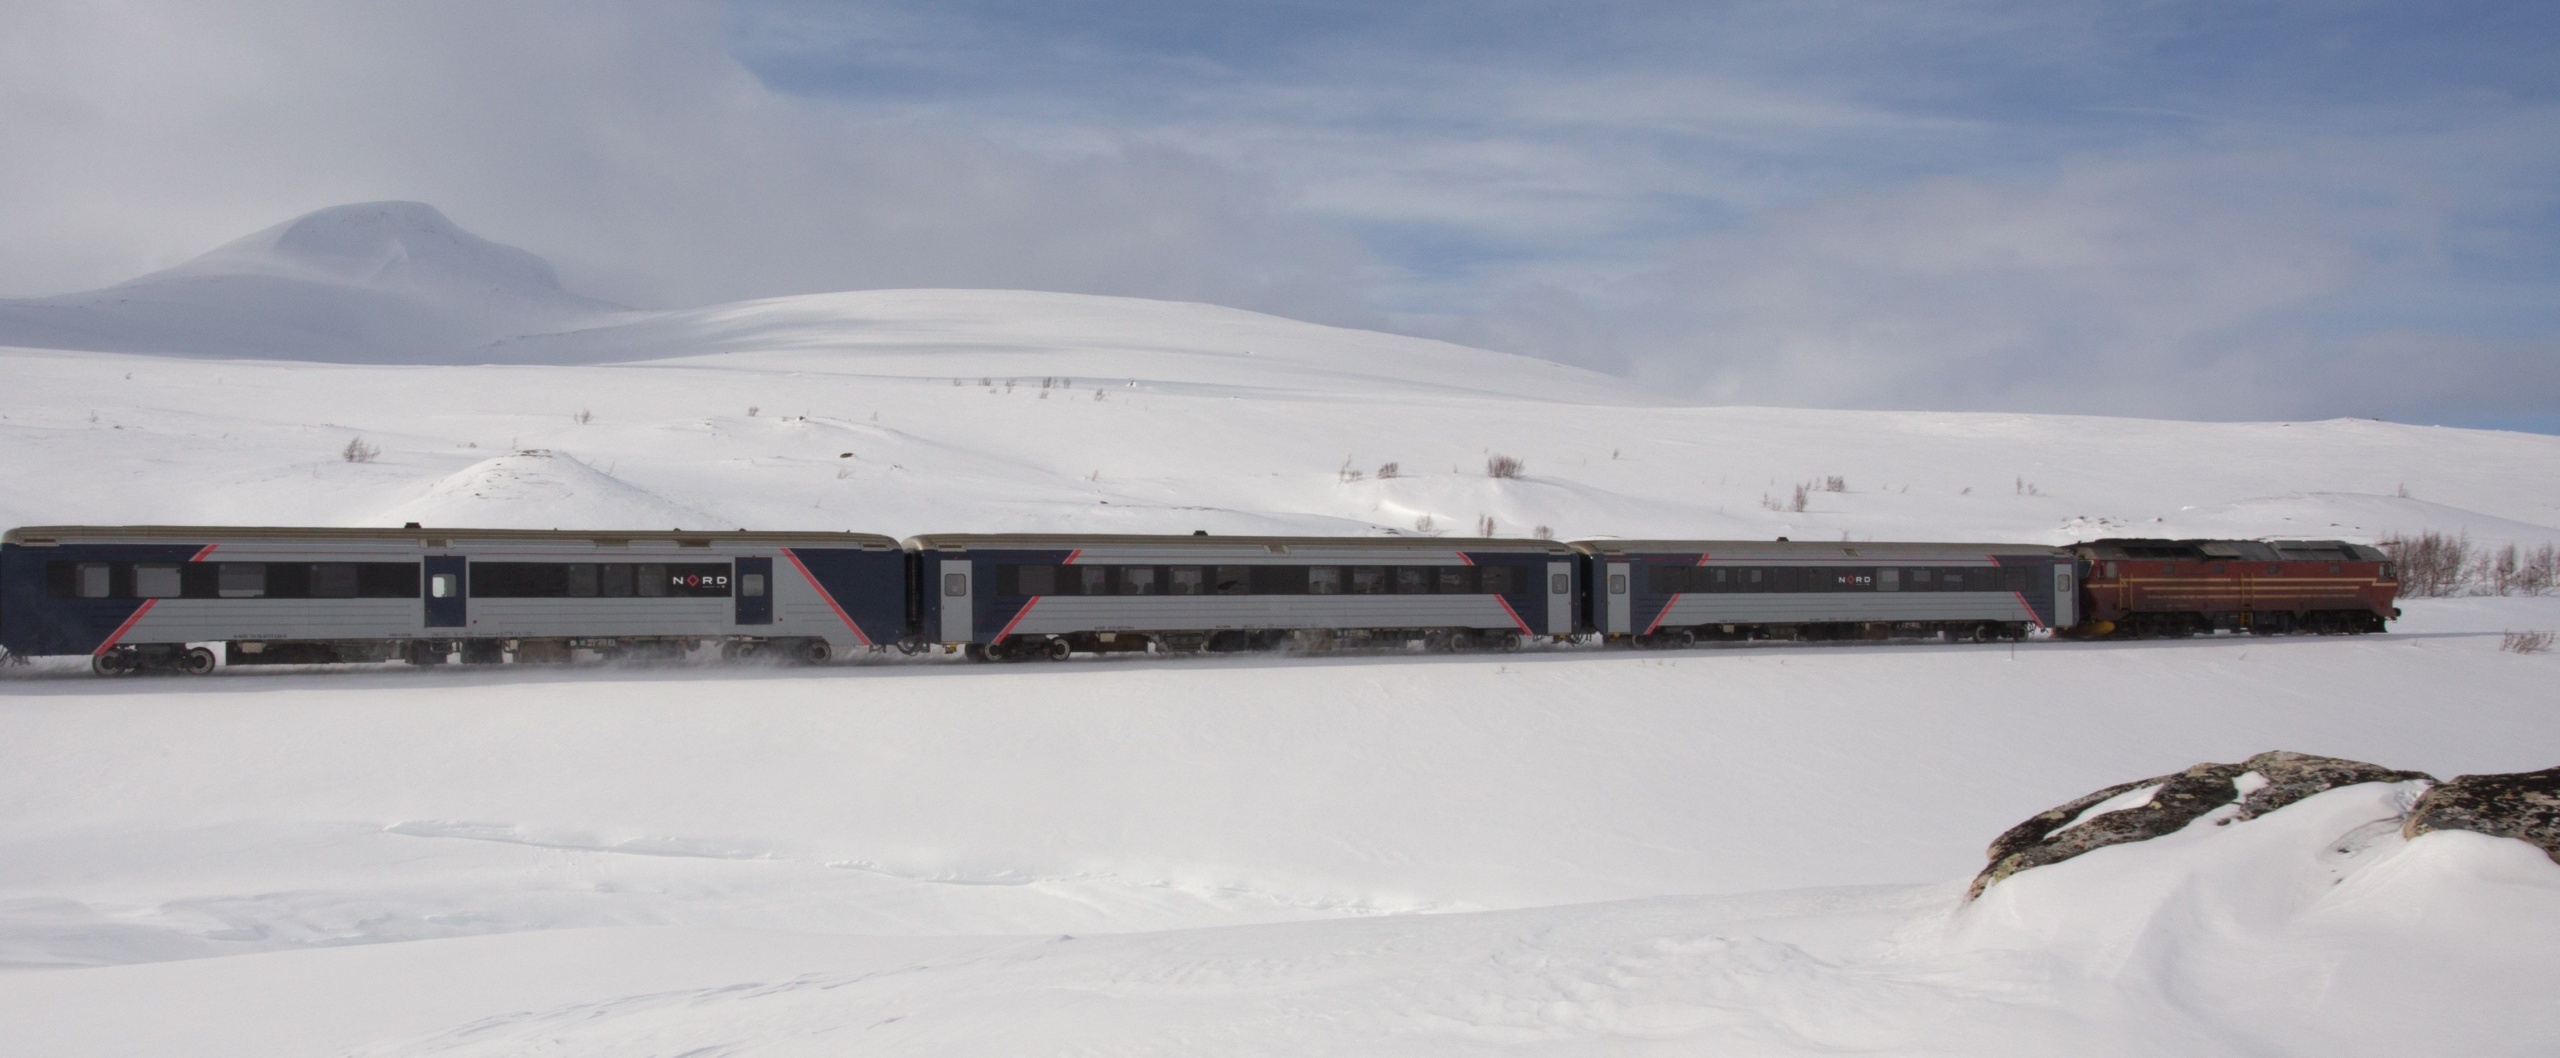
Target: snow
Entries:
(1749, 850)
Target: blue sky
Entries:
(2214, 210)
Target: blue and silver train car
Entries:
(154, 597)
(1677, 592)
(1053, 595)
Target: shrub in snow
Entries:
(1387, 470)
(359, 452)
(1501, 466)
(2525, 642)
(2138, 811)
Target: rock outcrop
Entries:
(2524, 806)
(2259, 785)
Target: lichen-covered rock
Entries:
(2259, 785)
(2523, 805)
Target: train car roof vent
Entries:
(411, 525)
(1199, 532)
(2218, 549)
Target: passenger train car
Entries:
(137, 597)
(167, 598)
(1677, 592)
(1013, 596)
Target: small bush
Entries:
(1388, 470)
(1426, 523)
(1484, 526)
(1796, 504)
(2430, 564)
(2526, 642)
(583, 417)
(1543, 533)
(1835, 483)
(1502, 467)
(357, 451)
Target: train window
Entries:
(1453, 580)
(1096, 580)
(380, 580)
(1183, 580)
(649, 580)
(955, 585)
(1232, 580)
(2111, 571)
(1617, 584)
(1368, 580)
(583, 580)
(153, 580)
(333, 580)
(1137, 580)
(1666, 580)
(1324, 580)
(751, 585)
(613, 580)
(1755, 575)
(2386, 571)
(243, 580)
(94, 579)
(2062, 582)
(1032, 580)
(1278, 580)
(443, 586)
(1559, 584)
(1495, 580)
(2014, 579)
(1413, 580)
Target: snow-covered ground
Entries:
(1749, 851)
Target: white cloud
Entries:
(622, 140)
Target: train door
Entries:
(1560, 598)
(2066, 595)
(1621, 604)
(755, 591)
(959, 597)
(447, 606)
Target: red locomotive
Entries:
(2141, 588)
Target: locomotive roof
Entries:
(1070, 541)
(1855, 549)
(43, 534)
(2243, 550)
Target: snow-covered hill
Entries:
(1551, 852)
(375, 282)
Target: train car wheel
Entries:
(1058, 649)
(815, 652)
(1984, 633)
(1458, 641)
(1684, 638)
(1510, 642)
(196, 662)
(112, 663)
(974, 651)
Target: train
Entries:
(191, 599)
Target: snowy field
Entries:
(1754, 850)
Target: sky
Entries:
(2220, 210)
